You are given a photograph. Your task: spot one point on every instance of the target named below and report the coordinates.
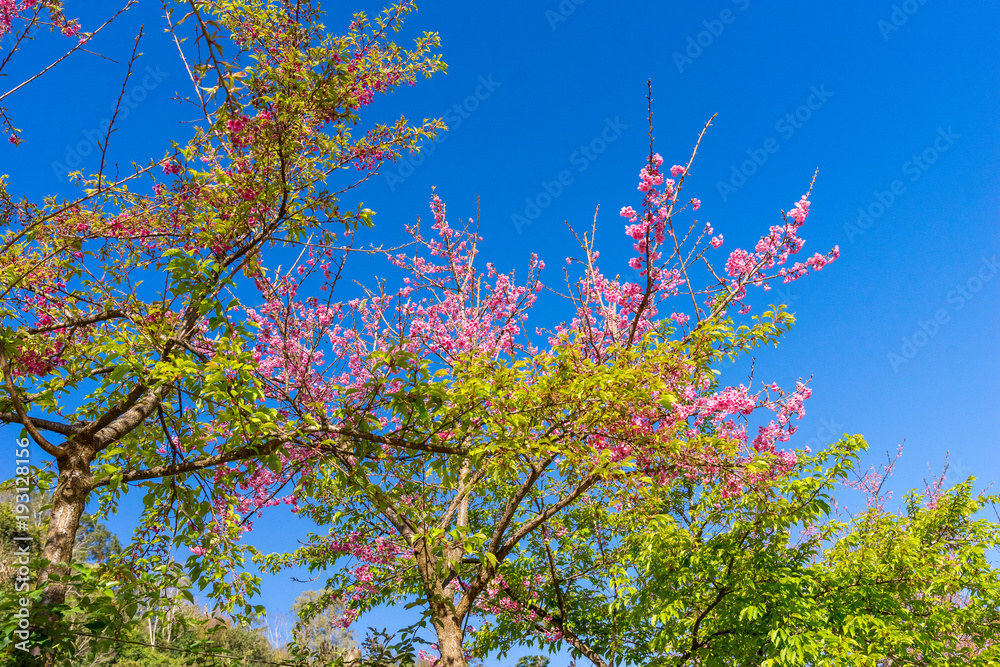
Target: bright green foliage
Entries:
(686, 577)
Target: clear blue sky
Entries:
(896, 104)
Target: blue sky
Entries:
(895, 104)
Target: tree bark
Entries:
(68, 502)
(449, 633)
(441, 603)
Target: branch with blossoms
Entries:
(397, 380)
(11, 10)
(614, 313)
(871, 481)
(257, 165)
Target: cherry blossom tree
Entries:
(123, 354)
(448, 435)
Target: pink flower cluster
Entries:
(746, 268)
(649, 233)
(11, 9)
(466, 313)
(873, 480)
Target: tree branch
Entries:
(83, 321)
(169, 470)
(547, 514)
(129, 420)
(460, 501)
(560, 625)
(513, 502)
(485, 572)
(43, 424)
(116, 411)
(71, 51)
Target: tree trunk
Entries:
(441, 603)
(446, 622)
(73, 487)
(449, 633)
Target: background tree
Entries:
(533, 661)
(319, 631)
(771, 577)
(94, 542)
(276, 629)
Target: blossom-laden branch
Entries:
(417, 384)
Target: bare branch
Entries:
(42, 424)
(71, 51)
(83, 321)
